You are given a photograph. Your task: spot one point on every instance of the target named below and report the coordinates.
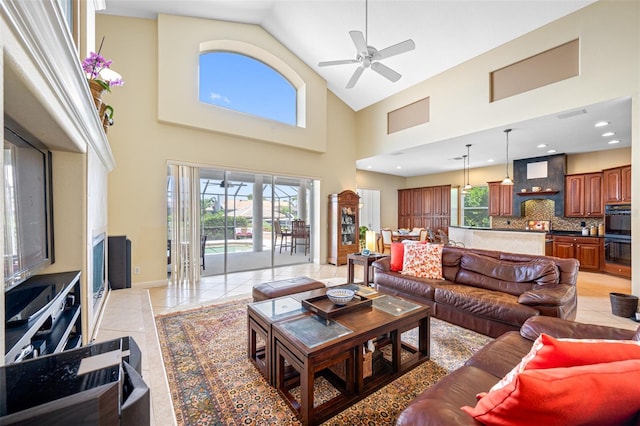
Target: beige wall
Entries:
(142, 146)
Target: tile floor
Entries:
(131, 312)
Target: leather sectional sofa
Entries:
(441, 403)
(490, 292)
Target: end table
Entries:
(365, 261)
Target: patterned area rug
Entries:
(212, 381)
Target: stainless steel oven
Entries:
(617, 220)
(617, 251)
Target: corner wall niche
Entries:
(545, 172)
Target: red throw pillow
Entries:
(571, 352)
(549, 352)
(397, 256)
(563, 396)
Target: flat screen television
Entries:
(28, 213)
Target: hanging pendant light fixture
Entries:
(507, 180)
(464, 174)
(468, 186)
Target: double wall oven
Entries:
(617, 234)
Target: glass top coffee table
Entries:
(355, 353)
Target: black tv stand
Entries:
(52, 328)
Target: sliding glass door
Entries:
(245, 220)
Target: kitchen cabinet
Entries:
(500, 199)
(583, 195)
(588, 250)
(343, 226)
(617, 185)
(427, 207)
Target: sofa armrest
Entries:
(382, 265)
(562, 328)
(548, 295)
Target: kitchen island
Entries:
(509, 240)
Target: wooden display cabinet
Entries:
(344, 223)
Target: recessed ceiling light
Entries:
(398, 167)
(542, 145)
(552, 151)
(490, 160)
(369, 166)
(602, 123)
(607, 134)
(613, 142)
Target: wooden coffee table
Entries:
(305, 347)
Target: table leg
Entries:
(350, 271)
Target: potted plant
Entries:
(363, 236)
(101, 78)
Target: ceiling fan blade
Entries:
(340, 62)
(354, 78)
(360, 43)
(396, 49)
(385, 71)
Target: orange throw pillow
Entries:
(603, 394)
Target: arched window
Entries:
(244, 84)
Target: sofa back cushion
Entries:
(501, 275)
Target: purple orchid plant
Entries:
(98, 69)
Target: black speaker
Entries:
(119, 262)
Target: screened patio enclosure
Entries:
(243, 221)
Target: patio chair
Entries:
(299, 232)
(203, 244)
(283, 235)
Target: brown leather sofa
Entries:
(440, 404)
(490, 292)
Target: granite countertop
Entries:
(552, 232)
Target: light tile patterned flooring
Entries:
(131, 312)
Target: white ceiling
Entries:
(446, 33)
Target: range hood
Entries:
(539, 178)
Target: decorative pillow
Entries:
(549, 352)
(558, 396)
(397, 256)
(423, 260)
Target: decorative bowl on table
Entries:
(340, 296)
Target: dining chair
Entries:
(299, 232)
(387, 234)
(283, 235)
(424, 235)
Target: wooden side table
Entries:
(364, 261)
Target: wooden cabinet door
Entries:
(588, 255)
(404, 208)
(427, 201)
(625, 184)
(437, 200)
(612, 182)
(564, 248)
(574, 196)
(494, 199)
(593, 204)
(500, 199)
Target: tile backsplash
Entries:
(542, 210)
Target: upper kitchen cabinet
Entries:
(500, 199)
(617, 185)
(583, 195)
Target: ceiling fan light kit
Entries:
(369, 57)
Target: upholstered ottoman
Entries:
(286, 287)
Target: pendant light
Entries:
(468, 186)
(507, 180)
(464, 174)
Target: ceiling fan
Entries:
(368, 56)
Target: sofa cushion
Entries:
(512, 277)
(555, 396)
(484, 303)
(423, 260)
